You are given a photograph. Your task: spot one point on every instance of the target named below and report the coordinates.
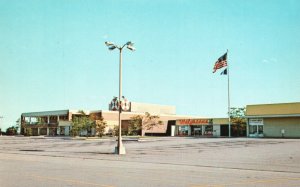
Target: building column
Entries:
(203, 129)
(58, 131)
(247, 127)
(38, 131)
(189, 130)
(67, 130)
(48, 119)
(47, 131)
(173, 129)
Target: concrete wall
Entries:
(216, 130)
(152, 108)
(220, 121)
(273, 127)
(110, 125)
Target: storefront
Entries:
(194, 127)
(256, 127)
(273, 120)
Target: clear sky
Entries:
(53, 57)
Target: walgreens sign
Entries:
(193, 122)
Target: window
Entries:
(183, 130)
(260, 129)
(256, 129)
(252, 129)
(208, 130)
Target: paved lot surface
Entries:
(165, 161)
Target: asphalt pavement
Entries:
(153, 161)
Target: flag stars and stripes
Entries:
(221, 62)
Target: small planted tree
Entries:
(88, 124)
(81, 122)
(115, 131)
(76, 126)
(237, 117)
(146, 122)
(100, 126)
(151, 121)
(28, 132)
(11, 130)
(135, 125)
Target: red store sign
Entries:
(193, 122)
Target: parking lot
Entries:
(153, 161)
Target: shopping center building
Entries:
(273, 120)
(59, 122)
(263, 120)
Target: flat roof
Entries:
(173, 116)
(276, 109)
(273, 116)
(45, 113)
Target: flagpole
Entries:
(229, 120)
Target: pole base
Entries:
(122, 150)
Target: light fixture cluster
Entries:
(112, 46)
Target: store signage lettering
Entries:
(193, 121)
(256, 121)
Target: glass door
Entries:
(197, 130)
(183, 130)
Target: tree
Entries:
(28, 132)
(81, 122)
(149, 121)
(135, 125)
(100, 126)
(11, 130)
(146, 122)
(238, 120)
(76, 126)
(115, 131)
(88, 124)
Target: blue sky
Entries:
(53, 56)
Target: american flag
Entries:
(221, 62)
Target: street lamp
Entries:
(120, 149)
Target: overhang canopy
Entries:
(46, 113)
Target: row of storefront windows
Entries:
(195, 130)
(50, 131)
(211, 130)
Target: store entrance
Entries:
(197, 130)
(62, 131)
(256, 130)
(224, 130)
(183, 130)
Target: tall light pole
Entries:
(120, 149)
